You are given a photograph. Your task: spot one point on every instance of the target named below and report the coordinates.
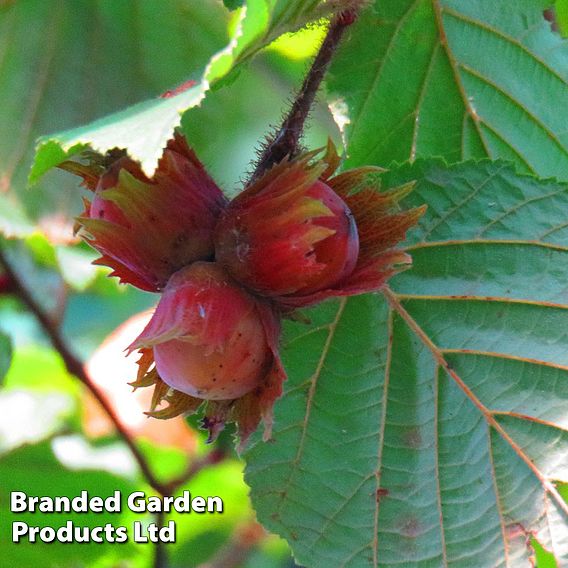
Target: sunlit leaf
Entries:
(39, 369)
(299, 45)
(431, 429)
(262, 21)
(143, 129)
(38, 397)
(561, 12)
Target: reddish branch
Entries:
(6, 284)
(285, 142)
(75, 367)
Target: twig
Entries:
(285, 142)
(213, 457)
(160, 554)
(75, 367)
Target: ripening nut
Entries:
(212, 342)
(299, 236)
(207, 335)
(148, 228)
(288, 234)
(229, 272)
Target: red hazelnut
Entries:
(289, 234)
(148, 228)
(207, 335)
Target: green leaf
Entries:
(201, 536)
(14, 222)
(40, 369)
(261, 23)
(233, 4)
(457, 79)
(31, 260)
(83, 60)
(431, 429)
(543, 558)
(76, 266)
(38, 399)
(144, 129)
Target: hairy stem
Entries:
(285, 142)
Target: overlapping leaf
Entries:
(262, 21)
(68, 62)
(431, 429)
(457, 79)
(144, 128)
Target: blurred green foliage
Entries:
(561, 9)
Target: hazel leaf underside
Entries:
(429, 426)
(457, 79)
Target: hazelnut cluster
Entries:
(228, 272)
